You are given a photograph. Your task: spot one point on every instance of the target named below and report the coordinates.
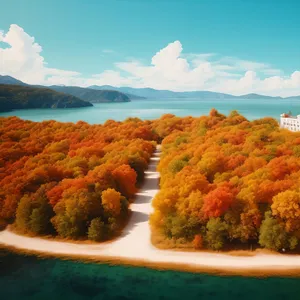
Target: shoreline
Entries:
(134, 248)
(245, 271)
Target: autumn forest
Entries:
(71, 180)
(224, 180)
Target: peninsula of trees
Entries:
(25, 97)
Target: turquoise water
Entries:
(152, 109)
(27, 277)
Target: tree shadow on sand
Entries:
(135, 218)
(142, 199)
(150, 183)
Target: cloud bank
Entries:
(170, 68)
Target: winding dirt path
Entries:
(134, 245)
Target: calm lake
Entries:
(152, 109)
(27, 277)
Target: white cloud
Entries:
(22, 59)
(251, 83)
(246, 65)
(170, 68)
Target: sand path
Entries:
(134, 244)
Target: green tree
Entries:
(177, 165)
(23, 213)
(112, 226)
(272, 235)
(65, 227)
(180, 227)
(40, 218)
(181, 139)
(97, 230)
(74, 212)
(216, 233)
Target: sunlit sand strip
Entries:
(134, 245)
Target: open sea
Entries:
(152, 109)
(29, 277)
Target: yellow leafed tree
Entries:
(111, 201)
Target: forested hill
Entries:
(111, 88)
(23, 97)
(96, 96)
(5, 79)
(86, 94)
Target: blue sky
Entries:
(96, 37)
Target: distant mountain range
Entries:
(92, 95)
(154, 94)
(112, 88)
(25, 97)
(86, 94)
(108, 93)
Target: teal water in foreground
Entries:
(28, 277)
(152, 109)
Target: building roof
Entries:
(290, 116)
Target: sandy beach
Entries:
(134, 245)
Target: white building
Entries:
(290, 122)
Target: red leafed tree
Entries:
(198, 241)
(126, 180)
(217, 202)
(55, 194)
